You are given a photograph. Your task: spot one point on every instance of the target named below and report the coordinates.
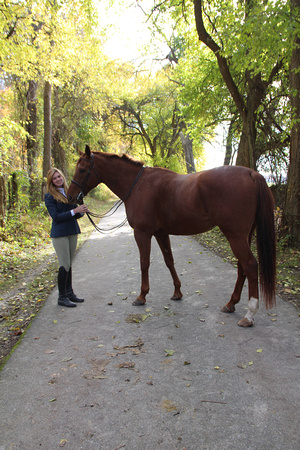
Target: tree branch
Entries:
(222, 62)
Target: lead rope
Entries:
(113, 209)
(101, 230)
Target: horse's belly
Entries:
(187, 225)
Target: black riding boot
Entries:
(69, 290)
(63, 300)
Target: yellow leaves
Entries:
(219, 369)
(259, 350)
(167, 405)
(244, 366)
(169, 352)
(136, 318)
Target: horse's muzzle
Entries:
(79, 198)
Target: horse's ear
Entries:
(87, 151)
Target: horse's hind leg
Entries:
(236, 295)
(247, 267)
(143, 241)
(163, 241)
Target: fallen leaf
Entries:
(167, 405)
(63, 442)
(169, 352)
(216, 367)
(67, 359)
(49, 351)
(242, 366)
(126, 365)
(250, 363)
(52, 400)
(259, 350)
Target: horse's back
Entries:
(195, 203)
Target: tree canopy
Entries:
(231, 63)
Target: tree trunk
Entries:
(291, 215)
(246, 152)
(31, 141)
(47, 134)
(2, 201)
(229, 151)
(187, 145)
(59, 157)
(12, 191)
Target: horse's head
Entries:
(85, 177)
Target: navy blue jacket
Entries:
(63, 223)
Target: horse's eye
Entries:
(81, 170)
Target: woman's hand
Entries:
(81, 209)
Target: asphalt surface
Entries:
(167, 375)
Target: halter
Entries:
(82, 186)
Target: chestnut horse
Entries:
(160, 202)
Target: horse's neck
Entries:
(118, 175)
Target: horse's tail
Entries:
(266, 242)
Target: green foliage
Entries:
(256, 38)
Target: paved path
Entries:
(98, 376)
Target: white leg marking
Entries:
(252, 308)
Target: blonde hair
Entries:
(58, 196)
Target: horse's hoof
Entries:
(138, 302)
(175, 297)
(245, 322)
(227, 310)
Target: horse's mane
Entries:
(126, 157)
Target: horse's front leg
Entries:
(143, 241)
(163, 240)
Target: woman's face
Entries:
(57, 180)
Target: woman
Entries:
(64, 231)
